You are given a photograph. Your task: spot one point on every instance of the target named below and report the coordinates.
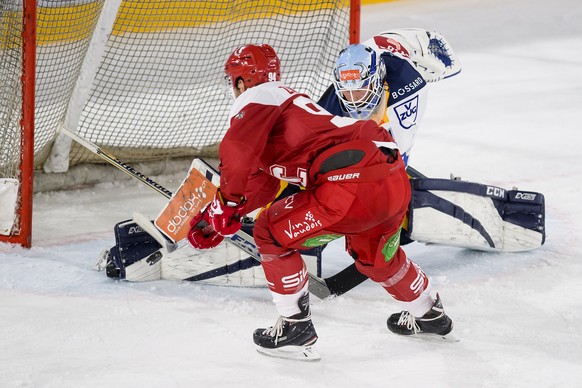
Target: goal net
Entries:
(143, 79)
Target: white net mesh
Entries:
(152, 88)
(143, 78)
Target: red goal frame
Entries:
(24, 211)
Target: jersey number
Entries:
(298, 178)
(310, 107)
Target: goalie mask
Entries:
(359, 74)
(252, 65)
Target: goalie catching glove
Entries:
(217, 220)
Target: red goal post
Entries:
(17, 83)
(140, 78)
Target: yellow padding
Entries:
(156, 15)
(76, 22)
(65, 24)
(367, 2)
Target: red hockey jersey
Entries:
(275, 134)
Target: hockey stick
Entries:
(242, 240)
(414, 173)
(126, 168)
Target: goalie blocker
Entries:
(476, 216)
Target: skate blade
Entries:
(296, 353)
(451, 337)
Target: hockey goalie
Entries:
(383, 79)
(448, 212)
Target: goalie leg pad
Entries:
(139, 257)
(476, 216)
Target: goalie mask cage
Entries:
(142, 79)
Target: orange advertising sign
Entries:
(193, 195)
(349, 75)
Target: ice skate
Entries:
(290, 338)
(434, 323)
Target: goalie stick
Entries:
(242, 240)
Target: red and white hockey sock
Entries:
(287, 279)
(411, 288)
(285, 274)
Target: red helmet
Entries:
(254, 64)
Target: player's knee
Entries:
(381, 262)
(265, 240)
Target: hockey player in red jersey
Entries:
(354, 185)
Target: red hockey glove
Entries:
(202, 235)
(224, 217)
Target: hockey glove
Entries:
(225, 215)
(202, 235)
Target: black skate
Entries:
(290, 338)
(435, 322)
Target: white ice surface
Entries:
(511, 118)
